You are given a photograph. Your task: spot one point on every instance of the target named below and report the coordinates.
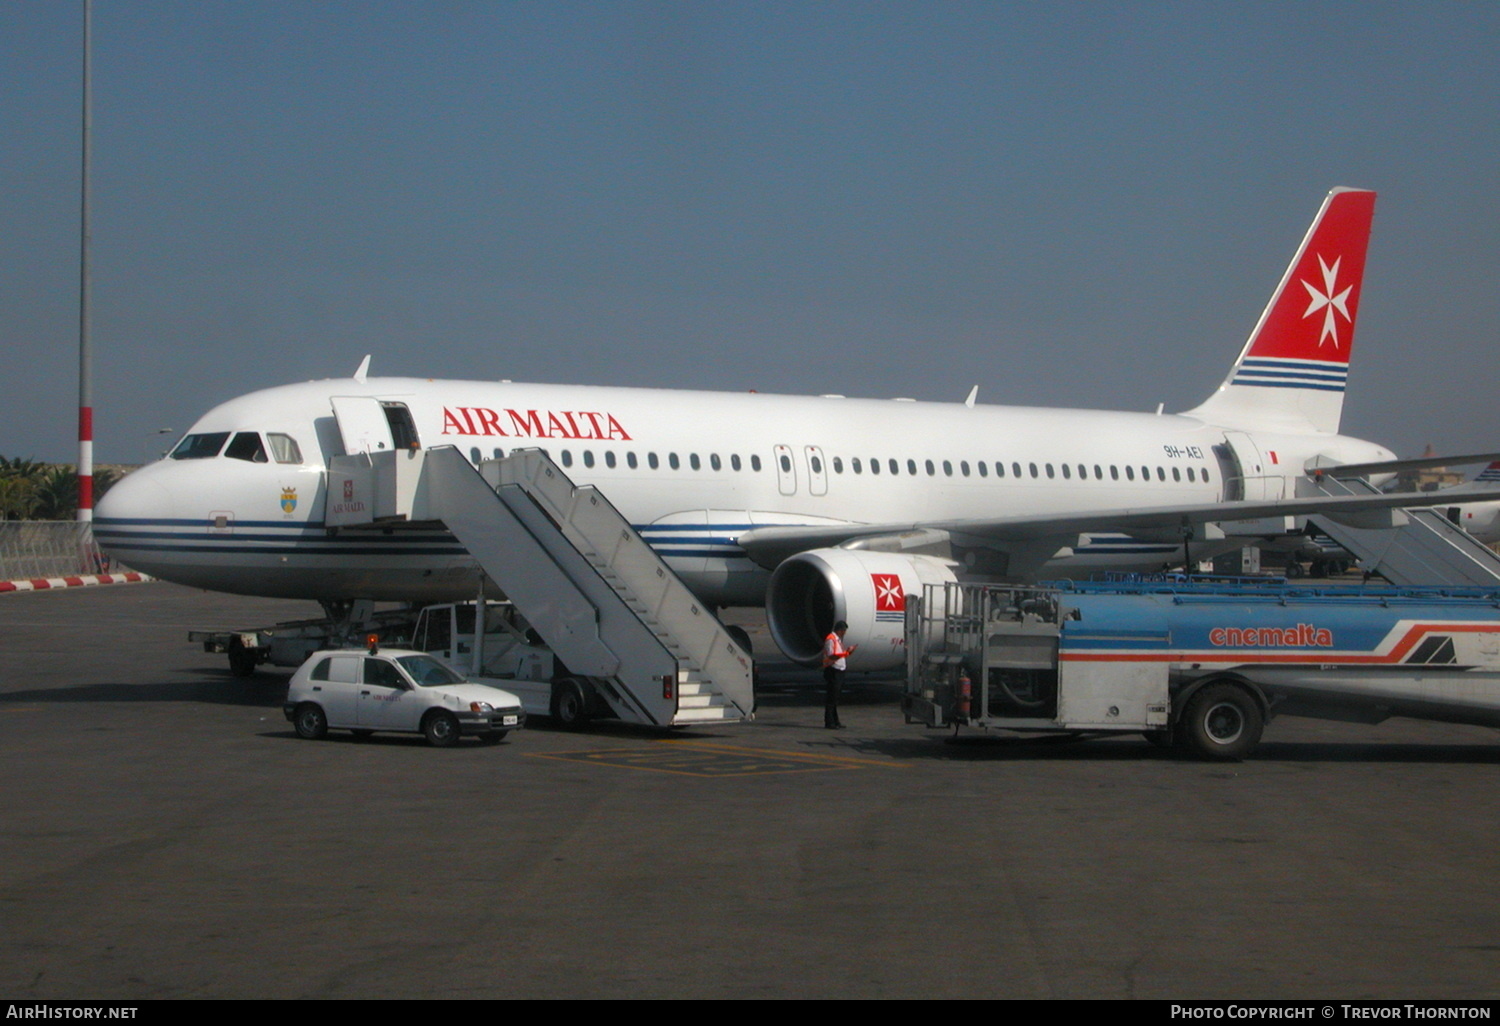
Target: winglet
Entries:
(364, 369)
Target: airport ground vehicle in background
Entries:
(511, 654)
(507, 653)
(396, 690)
(1198, 664)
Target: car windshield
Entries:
(427, 671)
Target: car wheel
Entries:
(310, 722)
(441, 729)
(1222, 722)
(569, 704)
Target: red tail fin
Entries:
(1292, 370)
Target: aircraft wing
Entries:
(1031, 535)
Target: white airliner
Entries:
(1481, 519)
(853, 503)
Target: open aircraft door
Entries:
(362, 424)
(1257, 468)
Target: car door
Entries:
(386, 699)
(334, 685)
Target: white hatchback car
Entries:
(396, 690)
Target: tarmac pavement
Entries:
(164, 834)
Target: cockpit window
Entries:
(200, 447)
(247, 446)
(284, 448)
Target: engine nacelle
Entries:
(867, 590)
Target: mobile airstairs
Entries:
(601, 598)
(1405, 546)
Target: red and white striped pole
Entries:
(85, 370)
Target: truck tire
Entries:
(570, 705)
(1222, 722)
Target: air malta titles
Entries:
(579, 424)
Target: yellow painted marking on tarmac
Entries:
(699, 759)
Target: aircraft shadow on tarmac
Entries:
(209, 686)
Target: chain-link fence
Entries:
(50, 548)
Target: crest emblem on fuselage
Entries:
(288, 500)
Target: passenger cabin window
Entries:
(247, 446)
(200, 447)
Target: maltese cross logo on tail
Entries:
(889, 597)
(1328, 301)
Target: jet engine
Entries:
(811, 591)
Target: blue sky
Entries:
(1066, 204)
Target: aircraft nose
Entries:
(139, 495)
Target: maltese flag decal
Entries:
(890, 597)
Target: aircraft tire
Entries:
(310, 722)
(1222, 723)
(441, 729)
(570, 706)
